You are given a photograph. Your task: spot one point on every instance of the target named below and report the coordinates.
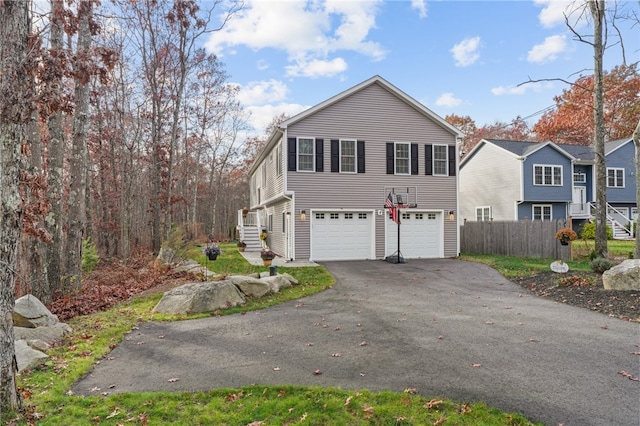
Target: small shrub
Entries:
(90, 256)
(588, 231)
(600, 264)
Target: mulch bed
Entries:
(585, 290)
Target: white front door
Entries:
(579, 205)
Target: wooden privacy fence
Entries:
(514, 238)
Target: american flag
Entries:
(392, 209)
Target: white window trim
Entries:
(313, 155)
(395, 158)
(446, 160)
(482, 209)
(542, 206)
(552, 166)
(355, 156)
(582, 177)
(279, 159)
(615, 178)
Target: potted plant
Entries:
(565, 235)
(267, 256)
(245, 212)
(263, 235)
(241, 245)
(211, 251)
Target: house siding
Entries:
(375, 116)
(623, 157)
(490, 179)
(551, 157)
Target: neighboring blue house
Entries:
(523, 180)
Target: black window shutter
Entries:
(452, 160)
(360, 155)
(428, 160)
(291, 154)
(319, 155)
(414, 158)
(390, 158)
(335, 155)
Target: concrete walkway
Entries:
(445, 327)
(253, 257)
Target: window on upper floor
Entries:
(403, 163)
(402, 158)
(347, 156)
(579, 178)
(483, 213)
(547, 175)
(279, 160)
(541, 212)
(305, 154)
(615, 177)
(440, 160)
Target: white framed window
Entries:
(579, 178)
(348, 215)
(334, 216)
(440, 160)
(403, 158)
(541, 212)
(634, 213)
(319, 215)
(419, 216)
(615, 177)
(362, 215)
(406, 216)
(547, 175)
(270, 222)
(279, 160)
(347, 156)
(306, 154)
(483, 213)
(431, 216)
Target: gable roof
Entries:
(386, 85)
(519, 149)
(275, 135)
(612, 146)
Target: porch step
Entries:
(252, 238)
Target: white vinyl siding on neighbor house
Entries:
(306, 154)
(483, 213)
(347, 156)
(402, 158)
(615, 177)
(440, 160)
(491, 179)
(547, 175)
(541, 212)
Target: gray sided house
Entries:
(522, 180)
(319, 186)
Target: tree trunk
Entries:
(15, 111)
(56, 160)
(597, 8)
(636, 143)
(78, 164)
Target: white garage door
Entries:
(341, 235)
(420, 235)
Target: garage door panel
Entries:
(420, 235)
(341, 235)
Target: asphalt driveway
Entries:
(444, 327)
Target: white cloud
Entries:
(304, 29)
(420, 6)
(261, 116)
(262, 92)
(448, 100)
(553, 12)
(548, 50)
(522, 89)
(317, 68)
(466, 53)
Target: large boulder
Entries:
(200, 297)
(30, 312)
(27, 357)
(250, 286)
(276, 282)
(625, 276)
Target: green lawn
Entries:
(46, 389)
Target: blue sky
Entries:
(455, 57)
